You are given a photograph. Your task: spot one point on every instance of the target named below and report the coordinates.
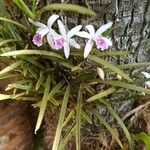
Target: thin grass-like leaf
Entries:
(39, 82)
(61, 119)
(53, 101)
(102, 94)
(10, 68)
(43, 104)
(71, 114)
(32, 52)
(110, 66)
(67, 7)
(78, 118)
(126, 66)
(13, 22)
(120, 122)
(7, 41)
(125, 85)
(113, 133)
(4, 97)
(21, 4)
(86, 117)
(71, 132)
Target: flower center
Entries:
(102, 43)
(37, 39)
(59, 42)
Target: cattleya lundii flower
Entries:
(44, 30)
(147, 75)
(65, 40)
(95, 36)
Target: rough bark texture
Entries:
(131, 31)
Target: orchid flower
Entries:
(147, 75)
(44, 30)
(65, 39)
(95, 36)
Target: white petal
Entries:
(51, 20)
(62, 29)
(53, 33)
(91, 29)
(42, 31)
(39, 24)
(100, 72)
(103, 28)
(147, 83)
(83, 34)
(73, 31)
(88, 48)
(147, 75)
(73, 43)
(66, 50)
(50, 40)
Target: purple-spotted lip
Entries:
(103, 43)
(37, 39)
(59, 42)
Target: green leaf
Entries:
(120, 122)
(43, 104)
(86, 117)
(126, 66)
(78, 118)
(7, 41)
(113, 133)
(21, 4)
(145, 138)
(125, 85)
(10, 68)
(71, 114)
(102, 94)
(4, 97)
(110, 66)
(32, 52)
(67, 7)
(61, 119)
(13, 22)
(39, 82)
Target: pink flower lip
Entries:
(37, 39)
(59, 42)
(103, 43)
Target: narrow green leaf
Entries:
(21, 4)
(13, 22)
(126, 66)
(71, 114)
(125, 85)
(145, 138)
(7, 41)
(67, 7)
(78, 118)
(4, 97)
(113, 133)
(43, 104)
(39, 82)
(102, 94)
(110, 66)
(32, 52)
(53, 101)
(120, 122)
(61, 119)
(86, 117)
(55, 89)
(11, 67)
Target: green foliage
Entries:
(48, 80)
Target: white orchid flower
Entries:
(44, 30)
(147, 75)
(65, 39)
(95, 36)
